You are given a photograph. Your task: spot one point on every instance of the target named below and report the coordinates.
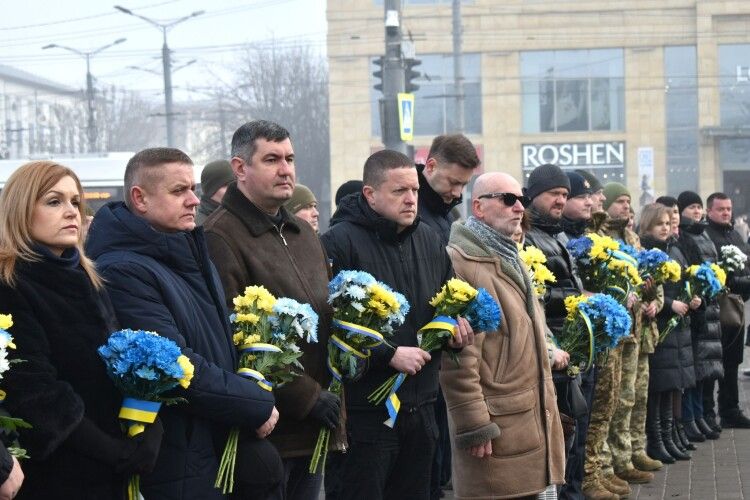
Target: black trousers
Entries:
(573, 487)
(729, 399)
(441, 464)
(384, 463)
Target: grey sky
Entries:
(212, 38)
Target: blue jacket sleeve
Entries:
(214, 393)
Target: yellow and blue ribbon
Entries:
(392, 402)
(359, 330)
(592, 341)
(138, 412)
(257, 376)
(441, 323)
(258, 347)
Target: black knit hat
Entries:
(546, 177)
(687, 198)
(347, 188)
(578, 185)
(595, 184)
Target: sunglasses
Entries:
(509, 199)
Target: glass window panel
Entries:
(531, 102)
(734, 84)
(473, 108)
(571, 105)
(601, 104)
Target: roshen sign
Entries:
(575, 154)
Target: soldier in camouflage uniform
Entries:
(608, 450)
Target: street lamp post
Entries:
(166, 62)
(91, 132)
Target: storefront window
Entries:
(435, 100)
(734, 85)
(681, 103)
(572, 90)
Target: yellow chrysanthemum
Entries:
(259, 296)
(531, 255)
(247, 318)
(237, 338)
(382, 301)
(542, 274)
(671, 270)
(692, 270)
(571, 304)
(187, 369)
(251, 339)
(6, 321)
(720, 274)
(460, 288)
(601, 246)
(625, 269)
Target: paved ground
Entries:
(719, 470)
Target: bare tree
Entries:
(288, 86)
(128, 122)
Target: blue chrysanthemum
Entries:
(579, 247)
(483, 313)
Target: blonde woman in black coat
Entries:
(61, 314)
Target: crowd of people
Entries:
(508, 420)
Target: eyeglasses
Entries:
(509, 199)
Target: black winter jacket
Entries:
(547, 235)
(413, 262)
(61, 388)
(432, 210)
(165, 282)
(705, 327)
(672, 364)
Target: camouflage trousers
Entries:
(619, 439)
(603, 407)
(638, 420)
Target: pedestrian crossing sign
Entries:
(406, 116)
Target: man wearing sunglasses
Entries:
(548, 189)
(500, 394)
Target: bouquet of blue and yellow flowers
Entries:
(455, 298)
(594, 324)
(604, 267)
(8, 423)
(656, 265)
(268, 331)
(706, 281)
(143, 366)
(365, 312)
(539, 273)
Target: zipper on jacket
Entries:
(278, 230)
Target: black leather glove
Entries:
(327, 409)
(141, 456)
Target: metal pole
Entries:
(393, 77)
(91, 128)
(222, 129)
(457, 66)
(166, 60)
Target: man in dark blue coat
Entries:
(378, 231)
(156, 269)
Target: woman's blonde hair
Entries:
(18, 200)
(650, 217)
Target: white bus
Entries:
(101, 175)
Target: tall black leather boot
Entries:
(683, 437)
(666, 419)
(654, 445)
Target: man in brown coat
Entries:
(504, 422)
(254, 240)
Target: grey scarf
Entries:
(507, 250)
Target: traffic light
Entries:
(378, 61)
(410, 75)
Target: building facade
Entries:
(654, 94)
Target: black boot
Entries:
(735, 419)
(683, 438)
(692, 432)
(666, 429)
(710, 419)
(705, 429)
(654, 445)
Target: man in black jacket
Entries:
(577, 211)
(548, 188)
(721, 231)
(451, 162)
(378, 231)
(156, 268)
